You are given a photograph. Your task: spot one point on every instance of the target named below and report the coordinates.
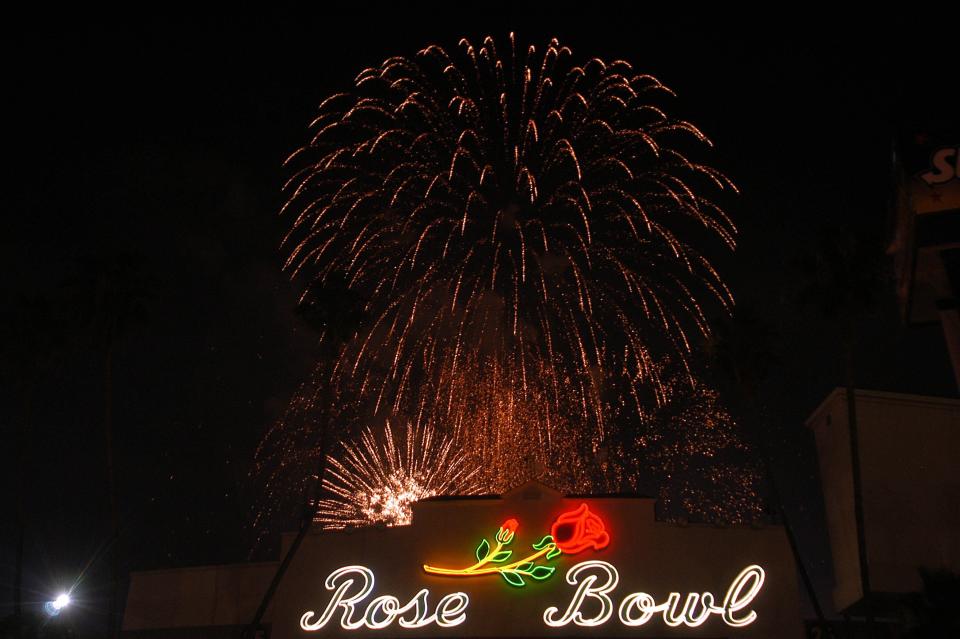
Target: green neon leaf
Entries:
(508, 538)
(512, 578)
(483, 550)
(524, 567)
(542, 572)
(543, 542)
(555, 552)
(503, 555)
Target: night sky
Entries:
(164, 139)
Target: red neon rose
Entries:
(578, 530)
(507, 529)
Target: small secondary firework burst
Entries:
(378, 479)
(519, 211)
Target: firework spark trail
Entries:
(508, 210)
(512, 434)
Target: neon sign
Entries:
(596, 579)
(591, 603)
(571, 533)
(383, 610)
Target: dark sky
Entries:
(166, 139)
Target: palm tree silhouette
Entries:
(841, 277)
(111, 292)
(742, 349)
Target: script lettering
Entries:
(585, 590)
(382, 611)
(594, 579)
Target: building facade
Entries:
(908, 451)
(530, 563)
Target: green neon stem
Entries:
(476, 569)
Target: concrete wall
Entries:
(201, 599)
(909, 449)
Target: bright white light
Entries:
(53, 608)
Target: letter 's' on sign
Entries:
(945, 166)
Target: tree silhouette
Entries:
(111, 291)
(841, 276)
(743, 350)
(336, 313)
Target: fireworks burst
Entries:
(377, 482)
(517, 212)
(527, 237)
